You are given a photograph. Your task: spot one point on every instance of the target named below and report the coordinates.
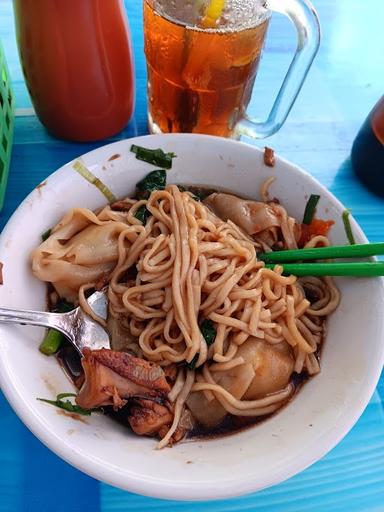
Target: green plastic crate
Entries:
(6, 124)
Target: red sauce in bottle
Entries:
(77, 62)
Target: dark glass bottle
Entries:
(368, 151)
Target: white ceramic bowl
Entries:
(303, 432)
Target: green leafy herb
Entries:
(153, 156)
(63, 306)
(310, 209)
(208, 331)
(348, 227)
(184, 189)
(199, 195)
(67, 405)
(142, 214)
(155, 180)
(192, 365)
(54, 339)
(46, 235)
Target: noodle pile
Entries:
(184, 266)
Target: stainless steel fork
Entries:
(81, 330)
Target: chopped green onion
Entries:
(192, 365)
(46, 235)
(142, 214)
(86, 173)
(52, 342)
(348, 227)
(153, 156)
(310, 209)
(155, 180)
(54, 339)
(208, 331)
(67, 405)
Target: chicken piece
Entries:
(111, 377)
(148, 417)
(251, 216)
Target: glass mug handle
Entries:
(305, 19)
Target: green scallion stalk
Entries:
(52, 342)
(54, 339)
(348, 227)
(310, 209)
(89, 176)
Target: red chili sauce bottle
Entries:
(77, 62)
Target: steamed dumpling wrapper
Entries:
(266, 370)
(235, 381)
(269, 221)
(81, 249)
(272, 364)
(252, 216)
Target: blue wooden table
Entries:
(344, 83)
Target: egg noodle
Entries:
(186, 266)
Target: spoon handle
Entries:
(58, 321)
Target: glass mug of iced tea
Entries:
(202, 60)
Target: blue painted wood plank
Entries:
(344, 477)
(32, 478)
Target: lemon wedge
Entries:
(213, 13)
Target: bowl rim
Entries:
(98, 469)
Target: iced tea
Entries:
(199, 80)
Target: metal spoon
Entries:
(78, 327)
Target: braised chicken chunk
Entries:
(111, 377)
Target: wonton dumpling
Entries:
(80, 249)
(94, 244)
(272, 364)
(236, 381)
(251, 216)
